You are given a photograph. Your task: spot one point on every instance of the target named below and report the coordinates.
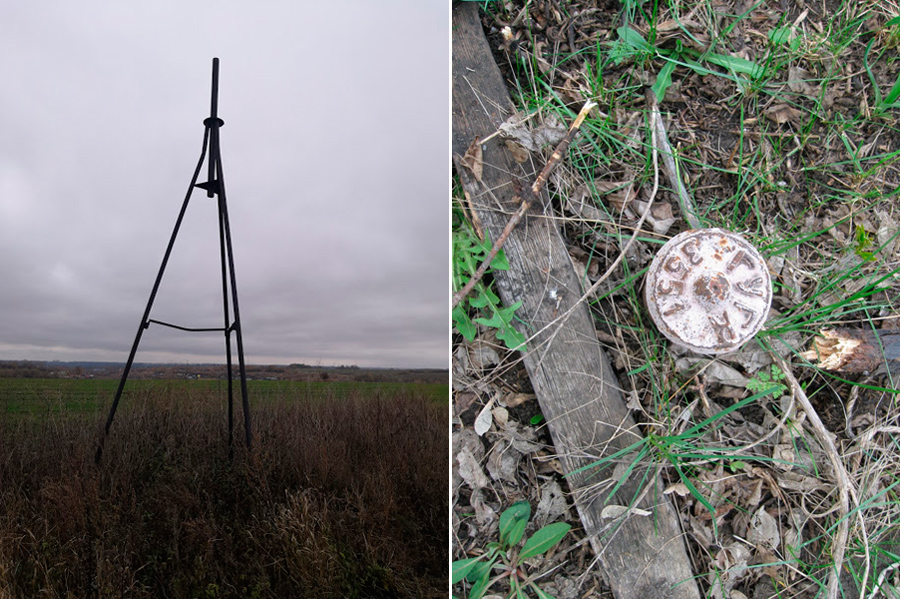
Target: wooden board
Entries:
(643, 557)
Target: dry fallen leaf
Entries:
(799, 83)
(549, 133)
(519, 153)
(663, 217)
(503, 462)
(580, 203)
(484, 513)
(764, 530)
(470, 470)
(501, 416)
(732, 567)
(465, 441)
(716, 372)
(462, 401)
(783, 113)
(482, 354)
(514, 399)
(678, 488)
(485, 419)
(552, 504)
(615, 511)
(473, 159)
(886, 235)
(619, 194)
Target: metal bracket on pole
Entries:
(215, 187)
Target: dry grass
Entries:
(344, 497)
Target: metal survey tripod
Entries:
(215, 187)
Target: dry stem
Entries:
(842, 481)
(688, 211)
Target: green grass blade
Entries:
(736, 406)
(614, 456)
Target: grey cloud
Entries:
(334, 151)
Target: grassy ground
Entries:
(783, 119)
(54, 395)
(343, 496)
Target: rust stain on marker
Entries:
(708, 290)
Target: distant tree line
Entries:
(25, 369)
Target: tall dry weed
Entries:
(341, 497)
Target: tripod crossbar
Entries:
(189, 329)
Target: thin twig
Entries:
(842, 481)
(530, 196)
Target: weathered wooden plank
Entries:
(643, 557)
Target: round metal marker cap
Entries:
(708, 290)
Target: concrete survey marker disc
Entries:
(708, 290)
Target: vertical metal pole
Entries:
(227, 253)
(215, 175)
(215, 123)
(236, 327)
(227, 329)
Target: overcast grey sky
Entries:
(334, 150)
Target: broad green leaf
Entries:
(781, 35)
(512, 523)
(663, 80)
(464, 324)
(544, 539)
(478, 589)
(500, 262)
(495, 321)
(462, 567)
(484, 246)
(634, 39)
(512, 338)
(509, 313)
(501, 319)
(481, 571)
(485, 297)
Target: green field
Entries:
(52, 395)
